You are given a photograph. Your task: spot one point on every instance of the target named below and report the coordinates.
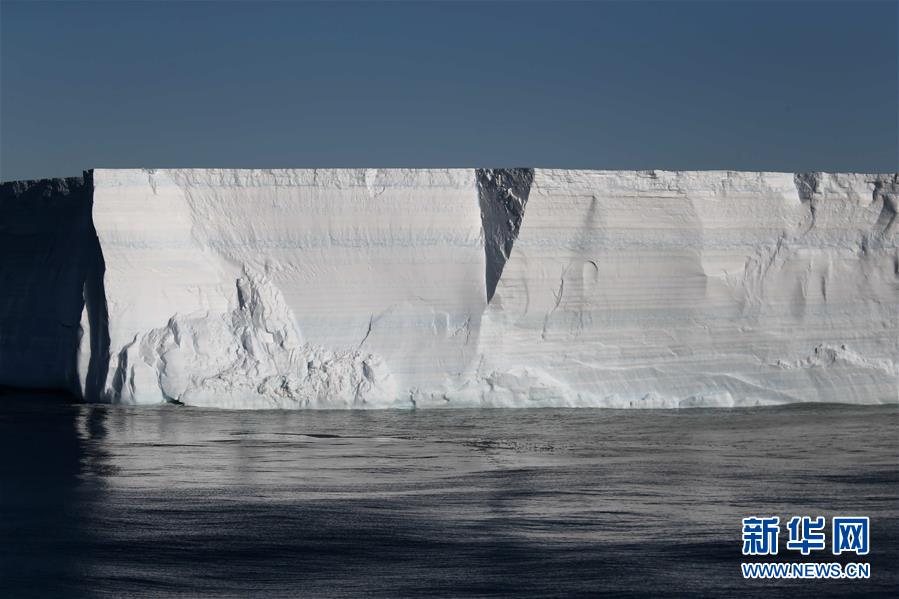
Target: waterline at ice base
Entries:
(402, 288)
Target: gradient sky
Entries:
(629, 85)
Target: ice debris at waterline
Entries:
(451, 287)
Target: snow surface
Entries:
(434, 287)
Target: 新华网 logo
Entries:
(806, 535)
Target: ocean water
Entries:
(114, 501)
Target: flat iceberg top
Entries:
(336, 178)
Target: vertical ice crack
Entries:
(808, 186)
(371, 322)
(503, 194)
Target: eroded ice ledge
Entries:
(452, 287)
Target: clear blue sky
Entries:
(678, 85)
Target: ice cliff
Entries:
(489, 287)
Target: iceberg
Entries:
(376, 288)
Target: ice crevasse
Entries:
(339, 288)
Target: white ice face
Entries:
(401, 288)
(290, 288)
(661, 289)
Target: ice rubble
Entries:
(453, 287)
(249, 357)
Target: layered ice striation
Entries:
(452, 287)
(656, 289)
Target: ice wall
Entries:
(50, 286)
(656, 289)
(327, 288)
(435, 287)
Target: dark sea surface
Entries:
(116, 501)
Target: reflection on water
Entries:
(112, 501)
